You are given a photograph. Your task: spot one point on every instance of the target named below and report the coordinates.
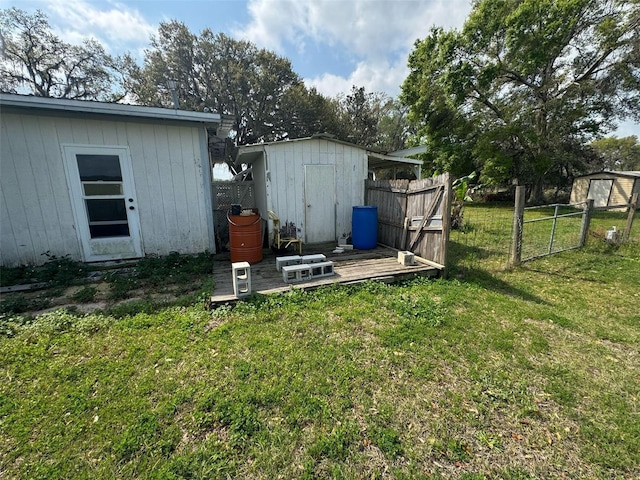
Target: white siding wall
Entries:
(285, 182)
(170, 176)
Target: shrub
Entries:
(85, 294)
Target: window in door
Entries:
(103, 195)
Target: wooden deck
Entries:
(355, 266)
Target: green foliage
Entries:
(306, 112)
(85, 294)
(56, 272)
(173, 268)
(259, 89)
(61, 271)
(231, 77)
(19, 303)
(360, 116)
(335, 445)
(15, 303)
(16, 275)
(120, 285)
(617, 153)
(523, 86)
(388, 441)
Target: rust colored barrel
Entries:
(245, 238)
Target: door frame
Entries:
(80, 215)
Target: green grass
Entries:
(484, 242)
(521, 374)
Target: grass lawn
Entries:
(522, 374)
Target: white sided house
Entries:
(101, 181)
(314, 182)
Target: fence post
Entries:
(518, 217)
(446, 222)
(632, 210)
(586, 221)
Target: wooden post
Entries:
(405, 231)
(630, 214)
(518, 218)
(446, 223)
(586, 221)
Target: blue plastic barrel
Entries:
(364, 227)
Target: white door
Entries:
(104, 201)
(320, 201)
(599, 191)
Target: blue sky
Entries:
(332, 44)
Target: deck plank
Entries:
(350, 267)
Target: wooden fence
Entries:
(224, 194)
(413, 215)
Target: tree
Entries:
(617, 153)
(394, 128)
(372, 119)
(36, 61)
(360, 116)
(306, 112)
(231, 77)
(525, 84)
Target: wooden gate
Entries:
(413, 215)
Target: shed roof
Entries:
(249, 153)
(619, 173)
(93, 108)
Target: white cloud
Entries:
(116, 28)
(368, 27)
(375, 76)
(378, 34)
(329, 84)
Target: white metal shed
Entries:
(100, 181)
(314, 182)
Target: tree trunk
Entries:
(536, 194)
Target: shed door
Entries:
(599, 191)
(320, 201)
(104, 202)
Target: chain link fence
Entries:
(484, 241)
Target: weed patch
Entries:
(85, 295)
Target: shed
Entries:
(607, 189)
(314, 182)
(102, 181)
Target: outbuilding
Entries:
(607, 189)
(313, 183)
(102, 181)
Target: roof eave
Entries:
(101, 108)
